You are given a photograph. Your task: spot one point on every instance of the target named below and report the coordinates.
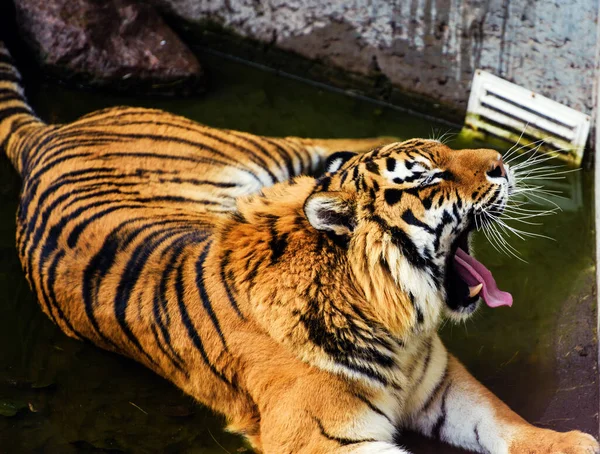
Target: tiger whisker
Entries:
(534, 147)
(505, 246)
(511, 149)
(526, 189)
(521, 233)
(534, 159)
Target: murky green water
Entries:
(58, 395)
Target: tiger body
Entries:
(296, 306)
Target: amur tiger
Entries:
(304, 309)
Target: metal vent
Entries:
(506, 110)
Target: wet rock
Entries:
(426, 48)
(119, 44)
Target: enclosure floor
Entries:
(540, 356)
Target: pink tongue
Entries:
(474, 273)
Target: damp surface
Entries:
(58, 395)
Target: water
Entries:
(58, 395)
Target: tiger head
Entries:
(404, 213)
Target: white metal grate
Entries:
(506, 110)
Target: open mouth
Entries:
(468, 279)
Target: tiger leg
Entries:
(318, 414)
(462, 412)
(295, 430)
(372, 447)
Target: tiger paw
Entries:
(549, 442)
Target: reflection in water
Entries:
(60, 395)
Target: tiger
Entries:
(293, 285)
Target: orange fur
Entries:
(297, 310)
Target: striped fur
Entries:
(304, 309)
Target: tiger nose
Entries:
(497, 169)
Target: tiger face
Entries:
(405, 212)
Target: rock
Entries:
(118, 44)
(426, 48)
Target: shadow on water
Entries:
(60, 395)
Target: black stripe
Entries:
(250, 140)
(27, 197)
(409, 217)
(459, 203)
(356, 178)
(435, 391)
(58, 153)
(485, 193)
(287, 159)
(201, 285)
(392, 196)
(342, 344)
(94, 272)
(426, 362)
(57, 142)
(201, 131)
(228, 289)
(323, 183)
(96, 117)
(10, 111)
(372, 167)
(173, 198)
(371, 406)
(445, 175)
(406, 245)
(482, 448)
(9, 95)
(160, 302)
(191, 330)
(345, 174)
(179, 140)
(51, 243)
(168, 354)
(68, 178)
(439, 424)
(417, 308)
(339, 440)
(391, 164)
(100, 264)
(36, 141)
(302, 152)
(80, 227)
(439, 229)
(57, 229)
(51, 295)
(411, 178)
(129, 278)
(278, 242)
(35, 177)
(197, 182)
(10, 76)
(293, 152)
(198, 160)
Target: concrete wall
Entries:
(428, 47)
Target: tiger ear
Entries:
(331, 211)
(337, 160)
